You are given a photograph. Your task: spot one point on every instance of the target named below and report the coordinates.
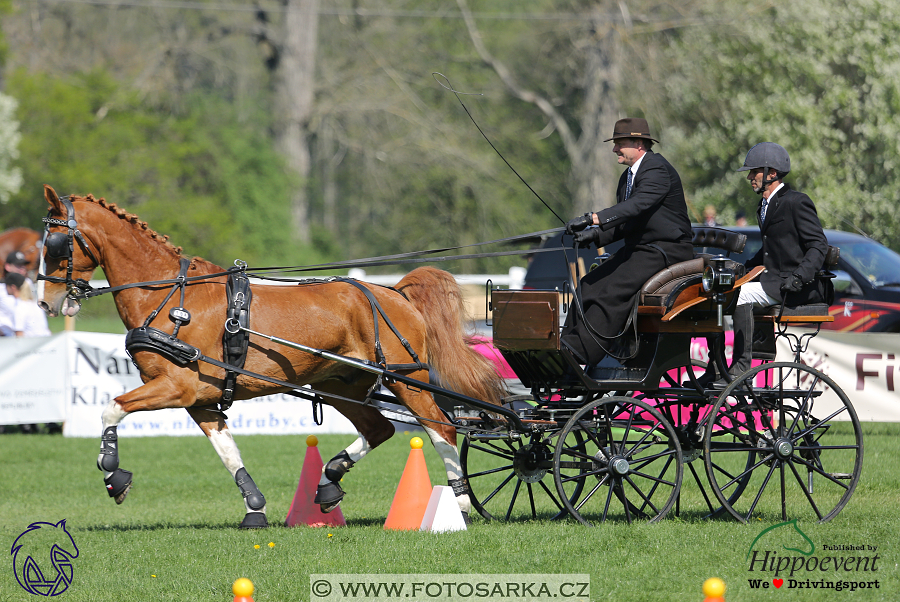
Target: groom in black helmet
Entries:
(793, 246)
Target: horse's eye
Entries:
(57, 245)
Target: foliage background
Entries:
(176, 113)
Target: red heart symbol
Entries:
(778, 582)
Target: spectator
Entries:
(10, 316)
(709, 217)
(740, 218)
(34, 319)
(16, 263)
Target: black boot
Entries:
(710, 374)
(742, 354)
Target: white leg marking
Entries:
(224, 444)
(356, 450)
(113, 414)
(450, 455)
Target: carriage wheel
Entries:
(804, 440)
(691, 430)
(510, 479)
(628, 462)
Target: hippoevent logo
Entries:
(795, 563)
(42, 558)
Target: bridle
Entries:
(61, 245)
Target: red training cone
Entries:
(413, 492)
(303, 510)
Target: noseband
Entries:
(62, 246)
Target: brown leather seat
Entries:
(657, 290)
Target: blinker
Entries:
(57, 245)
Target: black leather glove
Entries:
(587, 237)
(579, 223)
(792, 284)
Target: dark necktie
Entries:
(762, 212)
(628, 183)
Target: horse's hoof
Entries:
(328, 496)
(254, 520)
(118, 484)
(466, 518)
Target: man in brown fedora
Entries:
(650, 217)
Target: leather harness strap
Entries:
(235, 341)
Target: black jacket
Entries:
(654, 224)
(793, 242)
(654, 213)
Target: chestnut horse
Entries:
(21, 239)
(426, 308)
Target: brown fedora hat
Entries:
(632, 127)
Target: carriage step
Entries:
(841, 475)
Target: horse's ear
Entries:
(52, 198)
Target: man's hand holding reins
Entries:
(579, 223)
(586, 238)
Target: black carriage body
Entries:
(618, 437)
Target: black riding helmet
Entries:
(766, 156)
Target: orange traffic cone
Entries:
(242, 590)
(413, 492)
(304, 510)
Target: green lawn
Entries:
(175, 537)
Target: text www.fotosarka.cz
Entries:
(449, 588)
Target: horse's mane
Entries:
(140, 225)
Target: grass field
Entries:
(175, 537)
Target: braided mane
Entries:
(131, 218)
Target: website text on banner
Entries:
(72, 376)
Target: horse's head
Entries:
(67, 259)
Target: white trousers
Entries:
(752, 293)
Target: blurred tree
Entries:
(825, 88)
(10, 175)
(203, 177)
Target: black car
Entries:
(867, 283)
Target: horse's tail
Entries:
(438, 298)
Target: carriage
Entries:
(627, 437)
(617, 441)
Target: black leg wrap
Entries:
(328, 496)
(460, 486)
(108, 460)
(254, 499)
(254, 520)
(118, 483)
(338, 466)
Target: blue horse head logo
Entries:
(34, 571)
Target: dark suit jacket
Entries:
(654, 224)
(793, 242)
(654, 213)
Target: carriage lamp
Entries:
(717, 277)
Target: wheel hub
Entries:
(619, 466)
(530, 462)
(783, 448)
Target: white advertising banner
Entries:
(32, 380)
(864, 365)
(72, 376)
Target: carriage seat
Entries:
(811, 312)
(658, 291)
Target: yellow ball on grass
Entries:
(243, 587)
(713, 587)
